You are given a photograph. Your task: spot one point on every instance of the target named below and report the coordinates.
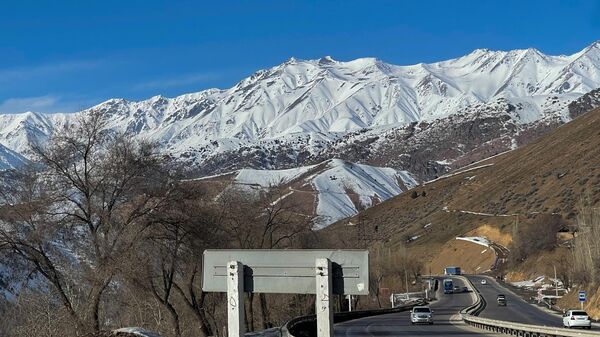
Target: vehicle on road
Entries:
(483, 282)
(459, 289)
(448, 286)
(421, 314)
(576, 318)
(501, 299)
(452, 271)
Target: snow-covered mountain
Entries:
(303, 112)
(10, 159)
(329, 191)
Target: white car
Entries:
(483, 282)
(576, 318)
(421, 314)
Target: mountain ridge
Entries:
(294, 113)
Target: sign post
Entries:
(235, 299)
(324, 308)
(582, 297)
(349, 298)
(290, 271)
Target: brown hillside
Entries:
(550, 175)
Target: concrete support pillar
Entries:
(324, 306)
(235, 300)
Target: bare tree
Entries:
(391, 266)
(537, 236)
(263, 219)
(172, 254)
(586, 247)
(79, 212)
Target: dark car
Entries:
(459, 289)
(501, 299)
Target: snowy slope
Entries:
(299, 108)
(10, 159)
(341, 180)
(269, 178)
(339, 188)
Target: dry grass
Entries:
(471, 257)
(592, 306)
(546, 176)
(538, 265)
(492, 233)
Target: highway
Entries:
(516, 310)
(447, 321)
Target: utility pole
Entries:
(555, 281)
(406, 281)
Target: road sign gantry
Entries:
(295, 271)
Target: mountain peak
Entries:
(481, 51)
(533, 50)
(326, 60)
(595, 45)
(291, 60)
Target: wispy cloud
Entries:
(179, 81)
(46, 103)
(46, 70)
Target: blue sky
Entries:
(68, 55)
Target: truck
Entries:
(448, 286)
(452, 271)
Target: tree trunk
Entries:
(250, 316)
(174, 319)
(205, 329)
(264, 312)
(95, 301)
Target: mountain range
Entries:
(422, 119)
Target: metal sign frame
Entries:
(320, 272)
(287, 271)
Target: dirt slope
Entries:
(550, 175)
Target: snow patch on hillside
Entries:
(475, 239)
(268, 178)
(342, 181)
(341, 188)
(137, 332)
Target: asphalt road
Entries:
(446, 321)
(516, 310)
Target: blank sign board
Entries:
(287, 271)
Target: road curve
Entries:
(516, 310)
(447, 321)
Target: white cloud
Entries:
(46, 103)
(45, 70)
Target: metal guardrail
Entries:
(306, 326)
(272, 332)
(469, 316)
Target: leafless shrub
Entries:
(586, 248)
(534, 237)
